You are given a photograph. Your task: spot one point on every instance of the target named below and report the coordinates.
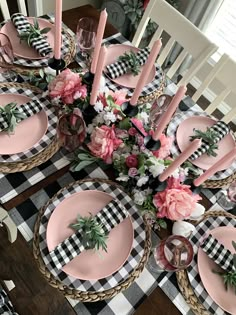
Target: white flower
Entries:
(56, 100)
(139, 198)
(175, 174)
(98, 119)
(145, 117)
(104, 90)
(98, 106)
(109, 117)
(45, 93)
(147, 191)
(116, 156)
(135, 149)
(142, 181)
(156, 170)
(90, 128)
(123, 178)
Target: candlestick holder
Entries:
(194, 189)
(89, 113)
(87, 79)
(149, 142)
(56, 64)
(129, 110)
(157, 185)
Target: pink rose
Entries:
(176, 202)
(164, 151)
(68, 86)
(104, 142)
(132, 131)
(132, 172)
(132, 161)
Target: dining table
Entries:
(32, 293)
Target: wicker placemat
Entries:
(219, 183)
(68, 58)
(82, 295)
(37, 159)
(183, 280)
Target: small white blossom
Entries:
(135, 149)
(175, 174)
(45, 93)
(98, 119)
(98, 106)
(104, 90)
(123, 178)
(145, 117)
(116, 156)
(109, 117)
(56, 100)
(90, 128)
(147, 191)
(139, 198)
(156, 170)
(142, 181)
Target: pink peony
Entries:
(104, 142)
(68, 86)
(132, 161)
(166, 143)
(176, 202)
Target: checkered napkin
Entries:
(118, 68)
(221, 129)
(6, 307)
(109, 217)
(39, 43)
(218, 253)
(28, 109)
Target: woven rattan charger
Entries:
(182, 276)
(89, 296)
(38, 159)
(68, 58)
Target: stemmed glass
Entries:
(6, 58)
(159, 106)
(227, 198)
(85, 37)
(171, 254)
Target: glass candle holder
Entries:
(71, 131)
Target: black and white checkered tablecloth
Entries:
(50, 133)
(148, 89)
(192, 271)
(44, 61)
(125, 302)
(6, 307)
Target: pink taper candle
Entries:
(98, 75)
(215, 167)
(58, 20)
(166, 117)
(146, 71)
(193, 146)
(98, 42)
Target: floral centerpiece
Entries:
(115, 139)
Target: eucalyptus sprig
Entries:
(132, 59)
(33, 32)
(229, 278)
(92, 232)
(209, 137)
(12, 115)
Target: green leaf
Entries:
(234, 244)
(81, 165)
(45, 30)
(125, 124)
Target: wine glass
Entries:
(159, 106)
(71, 132)
(227, 198)
(6, 58)
(85, 37)
(171, 254)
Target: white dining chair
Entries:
(219, 88)
(5, 10)
(181, 31)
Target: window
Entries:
(222, 30)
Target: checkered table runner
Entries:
(192, 271)
(44, 61)
(6, 307)
(126, 302)
(148, 89)
(52, 123)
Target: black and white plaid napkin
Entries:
(39, 43)
(118, 68)
(6, 307)
(221, 129)
(109, 217)
(28, 109)
(216, 251)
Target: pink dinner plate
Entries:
(21, 49)
(185, 130)
(212, 282)
(27, 133)
(126, 80)
(89, 265)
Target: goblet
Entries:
(159, 106)
(171, 254)
(227, 198)
(6, 58)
